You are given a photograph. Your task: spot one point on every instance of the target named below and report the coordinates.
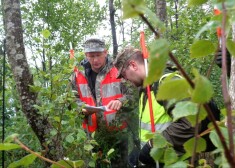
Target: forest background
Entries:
(39, 115)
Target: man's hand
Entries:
(86, 112)
(114, 105)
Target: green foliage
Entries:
(46, 33)
(184, 109)
(8, 146)
(132, 8)
(159, 141)
(159, 50)
(68, 164)
(170, 156)
(174, 89)
(203, 90)
(231, 46)
(189, 145)
(202, 48)
(178, 164)
(25, 161)
(196, 2)
(11, 138)
(49, 41)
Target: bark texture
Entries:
(232, 76)
(113, 27)
(161, 10)
(23, 78)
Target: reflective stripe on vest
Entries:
(110, 90)
(161, 119)
(158, 127)
(168, 74)
(85, 91)
(89, 123)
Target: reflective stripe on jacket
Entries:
(161, 119)
(109, 89)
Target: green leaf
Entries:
(53, 132)
(157, 153)
(81, 135)
(174, 89)
(56, 118)
(11, 138)
(215, 139)
(110, 151)
(209, 26)
(93, 142)
(91, 164)
(46, 33)
(202, 115)
(231, 47)
(56, 78)
(149, 135)
(132, 8)
(25, 161)
(189, 145)
(68, 163)
(183, 109)
(180, 164)
(159, 141)
(155, 21)
(157, 62)
(38, 40)
(170, 156)
(203, 90)
(69, 138)
(88, 147)
(196, 2)
(202, 48)
(8, 146)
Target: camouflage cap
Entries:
(94, 44)
(123, 57)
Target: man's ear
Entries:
(133, 64)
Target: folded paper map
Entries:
(96, 109)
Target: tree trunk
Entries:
(113, 27)
(176, 15)
(161, 10)
(232, 76)
(23, 78)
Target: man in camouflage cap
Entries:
(94, 45)
(130, 65)
(96, 85)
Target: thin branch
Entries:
(196, 137)
(36, 154)
(222, 139)
(212, 62)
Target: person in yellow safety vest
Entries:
(95, 84)
(130, 65)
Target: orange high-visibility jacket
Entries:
(110, 90)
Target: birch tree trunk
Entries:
(17, 59)
(232, 76)
(161, 12)
(113, 27)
